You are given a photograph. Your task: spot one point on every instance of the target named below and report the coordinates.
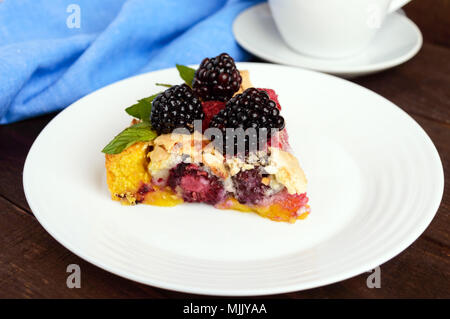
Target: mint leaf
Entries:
(186, 73)
(163, 84)
(142, 109)
(140, 132)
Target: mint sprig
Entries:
(186, 73)
(140, 132)
(142, 109)
(164, 84)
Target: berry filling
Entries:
(290, 202)
(195, 184)
(142, 191)
(249, 186)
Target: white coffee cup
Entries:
(331, 28)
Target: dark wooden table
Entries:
(33, 264)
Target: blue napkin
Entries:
(54, 52)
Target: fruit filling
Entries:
(196, 185)
(249, 187)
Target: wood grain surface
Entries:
(33, 264)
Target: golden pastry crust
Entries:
(169, 148)
(287, 170)
(127, 171)
(214, 160)
(246, 83)
(181, 143)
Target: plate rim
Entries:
(351, 272)
(339, 70)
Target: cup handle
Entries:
(397, 4)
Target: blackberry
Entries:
(249, 186)
(251, 109)
(217, 78)
(176, 107)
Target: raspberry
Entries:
(196, 185)
(251, 109)
(291, 202)
(280, 140)
(176, 107)
(217, 78)
(211, 108)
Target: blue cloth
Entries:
(47, 62)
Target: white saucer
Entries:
(397, 42)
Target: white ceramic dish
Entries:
(375, 183)
(398, 41)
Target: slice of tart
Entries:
(187, 146)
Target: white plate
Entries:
(375, 183)
(398, 41)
